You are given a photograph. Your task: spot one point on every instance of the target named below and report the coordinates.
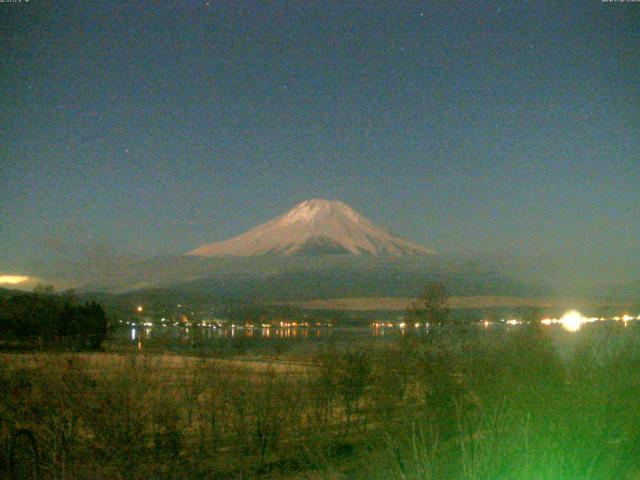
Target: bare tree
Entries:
(431, 306)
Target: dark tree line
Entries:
(51, 319)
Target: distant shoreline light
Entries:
(573, 320)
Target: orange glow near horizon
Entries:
(13, 279)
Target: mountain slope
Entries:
(314, 227)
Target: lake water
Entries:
(298, 339)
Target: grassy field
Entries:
(492, 405)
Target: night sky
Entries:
(494, 128)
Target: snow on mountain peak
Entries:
(306, 212)
(317, 209)
(313, 227)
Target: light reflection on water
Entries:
(136, 333)
(564, 340)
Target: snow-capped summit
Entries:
(314, 227)
(318, 210)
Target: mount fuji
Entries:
(314, 227)
(319, 249)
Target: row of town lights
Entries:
(571, 321)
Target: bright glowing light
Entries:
(546, 321)
(139, 309)
(572, 321)
(13, 279)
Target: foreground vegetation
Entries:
(490, 405)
